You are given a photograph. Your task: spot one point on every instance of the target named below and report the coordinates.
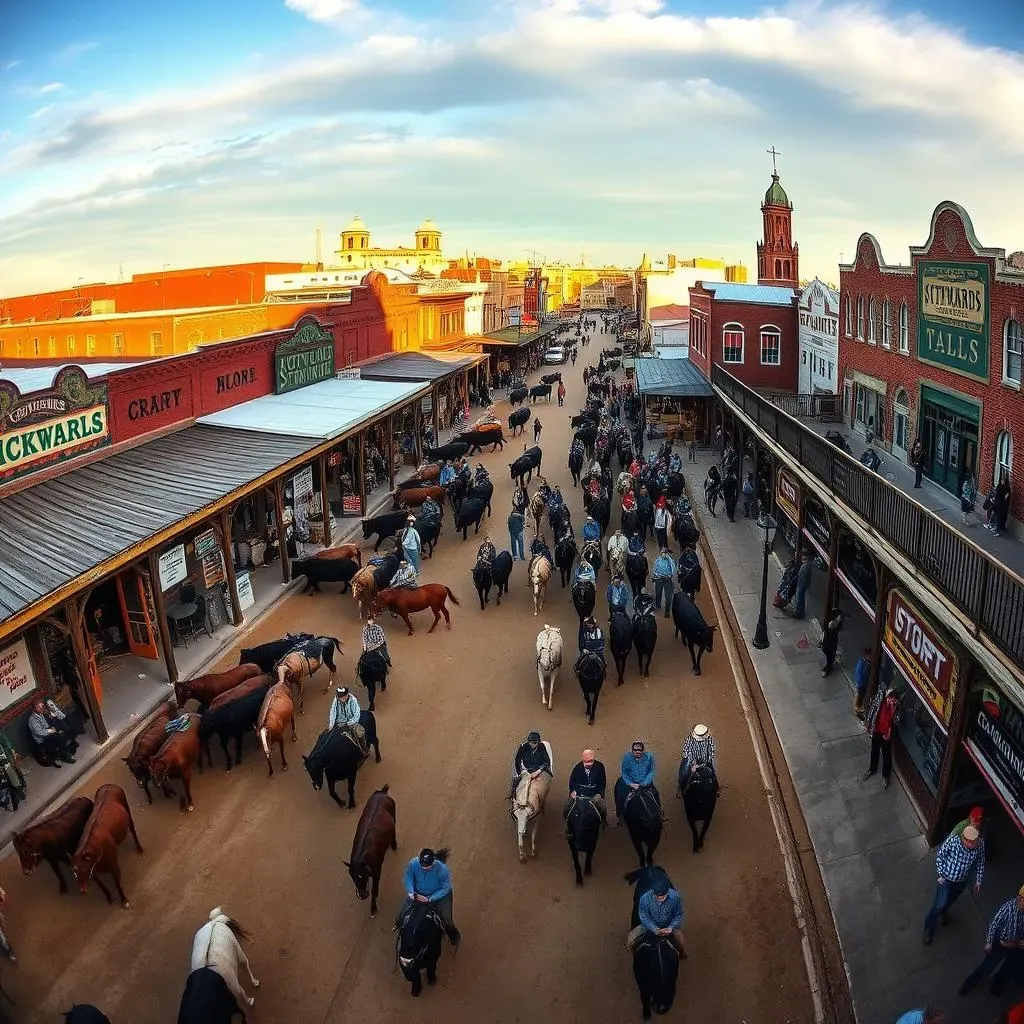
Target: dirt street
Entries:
(536, 949)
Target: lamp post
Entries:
(766, 523)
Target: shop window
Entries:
(1004, 455)
(886, 324)
(904, 328)
(849, 318)
(901, 420)
(18, 346)
(732, 343)
(35, 346)
(118, 344)
(872, 316)
(71, 344)
(803, 358)
(860, 317)
(1012, 352)
(771, 346)
(831, 369)
(861, 397)
(51, 346)
(156, 343)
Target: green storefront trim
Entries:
(965, 408)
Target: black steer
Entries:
(477, 439)
(521, 470)
(324, 570)
(518, 395)
(540, 391)
(470, 514)
(501, 570)
(429, 531)
(384, 526)
(484, 491)
(447, 452)
(696, 633)
(232, 721)
(269, 654)
(517, 420)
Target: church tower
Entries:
(355, 243)
(778, 258)
(428, 238)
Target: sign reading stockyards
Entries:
(47, 427)
(952, 322)
(307, 357)
(996, 729)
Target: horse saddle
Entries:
(646, 798)
(359, 742)
(179, 724)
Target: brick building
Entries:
(933, 348)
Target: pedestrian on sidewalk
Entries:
(748, 497)
(861, 679)
(959, 858)
(928, 1015)
(516, 526)
(803, 583)
(1002, 504)
(976, 818)
(561, 393)
(692, 450)
(968, 496)
(731, 494)
(917, 460)
(537, 428)
(1004, 947)
(883, 718)
(830, 639)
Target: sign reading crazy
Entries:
(952, 322)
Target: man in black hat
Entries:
(428, 880)
(533, 757)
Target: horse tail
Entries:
(454, 599)
(336, 642)
(263, 741)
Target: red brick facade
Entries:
(879, 346)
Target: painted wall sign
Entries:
(953, 316)
(787, 495)
(996, 730)
(206, 544)
(227, 384)
(816, 523)
(928, 663)
(307, 357)
(246, 598)
(172, 567)
(147, 406)
(17, 680)
(48, 427)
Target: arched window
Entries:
(901, 420)
(849, 318)
(732, 343)
(771, 345)
(1012, 352)
(872, 316)
(1004, 455)
(787, 269)
(886, 324)
(904, 328)
(778, 269)
(860, 317)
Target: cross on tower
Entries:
(774, 154)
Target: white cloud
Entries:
(11, 65)
(73, 50)
(323, 10)
(49, 88)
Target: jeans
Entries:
(918, 473)
(413, 558)
(661, 533)
(663, 586)
(1000, 962)
(800, 608)
(880, 745)
(946, 894)
(517, 546)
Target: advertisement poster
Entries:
(17, 679)
(172, 567)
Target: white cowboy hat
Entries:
(700, 732)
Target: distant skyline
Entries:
(201, 133)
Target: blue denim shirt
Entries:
(636, 772)
(665, 914)
(434, 882)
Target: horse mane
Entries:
(267, 701)
(238, 931)
(442, 854)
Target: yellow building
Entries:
(426, 256)
(565, 283)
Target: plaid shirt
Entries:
(1007, 925)
(701, 751)
(373, 637)
(955, 862)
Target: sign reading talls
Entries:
(47, 427)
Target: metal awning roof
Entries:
(62, 528)
(39, 378)
(677, 378)
(417, 366)
(512, 337)
(319, 411)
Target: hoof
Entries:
(250, 1000)
(190, 808)
(126, 905)
(255, 984)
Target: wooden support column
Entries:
(417, 430)
(282, 543)
(833, 557)
(361, 462)
(229, 565)
(801, 519)
(162, 624)
(881, 596)
(391, 451)
(958, 721)
(85, 663)
(325, 504)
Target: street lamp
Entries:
(766, 523)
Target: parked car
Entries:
(554, 355)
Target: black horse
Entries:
(645, 639)
(335, 756)
(483, 580)
(655, 960)
(372, 671)
(457, 492)
(582, 830)
(269, 654)
(600, 509)
(501, 570)
(575, 465)
(630, 522)
(584, 596)
(696, 633)
(207, 1000)
(418, 945)
(565, 558)
(620, 635)
(591, 552)
(636, 572)
(700, 797)
(590, 670)
(642, 817)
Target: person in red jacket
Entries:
(882, 720)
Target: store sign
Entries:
(307, 357)
(352, 373)
(17, 680)
(213, 570)
(816, 523)
(302, 484)
(925, 660)
(48, 427)
(206, 544)
(996, 730)
(953, 321)
(787, 495)
(246, 598)
(172, 567)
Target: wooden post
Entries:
(75, 612)
(954, 740)
(801, 519)
(391, 451)
(881, 596)
(361, 462)
(325, 504)
(435, 397)
(282, 542)
(833, 557)
(161, 617)
(229, 565)
(417, 430)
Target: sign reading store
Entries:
(48, 427)
(307, 357)
(787, 495)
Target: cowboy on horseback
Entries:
(617, 594)
(533, 757)
(591, 639)
(447, 474)
(643, 604)
(374, 640)
(636, 773)
(591, 529)
(636, 544)
(487, 551)
(661, 916)
(585, 573)
(539, 547)
(481, 475)
(344, 715)
(428, 880)
(430, 510)
(406, 576)
(699, 751)
(588, 781)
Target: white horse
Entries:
(540, 573)
(549, 660)
(528, 805)
(217, 946)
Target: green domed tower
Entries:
(778, 258)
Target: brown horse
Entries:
(403, 601)
(148, 741)
(375, 832)
(342, 551)
(54, 839)
(364, 590)
(413, 497)
(108, 826)
(175, 758)
(241, 690)
(204, 688)
(429, 472)
(277, 713)
(538, 510)
(306, 660)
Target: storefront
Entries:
(865, 404)
(787, 508)
(950, 428)
(677, 399)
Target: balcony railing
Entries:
(990, 594)
(826, 408)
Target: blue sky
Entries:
(135, 136)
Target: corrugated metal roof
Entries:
(319, 411)
(414, 366)
(671, 377)
(672, 351)
(39, 378)
(759, 294)
(60, 529)
(673, 311)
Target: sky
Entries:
(134, 136)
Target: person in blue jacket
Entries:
(661, 915)
(636, 772)
(428, 880)
(591, 529)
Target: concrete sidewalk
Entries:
(878, 871)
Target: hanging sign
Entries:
(996, 732)
(302, 484)
(816, 522)
(787, 495)
(17, 680)
(48, 427)
(952, 322)
(351, 373)
(172, 567)
(213, 570)
(246, 598)
(206, 544)
(307, 357)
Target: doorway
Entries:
(950, 443)
(138, 611)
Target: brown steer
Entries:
(54, 839)
(147, 742)
(431, 471)
(108, 826)
(175, 758)
(277, 713)
(375, 832)
(413, 497)
(205, 688)
(342, 551)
